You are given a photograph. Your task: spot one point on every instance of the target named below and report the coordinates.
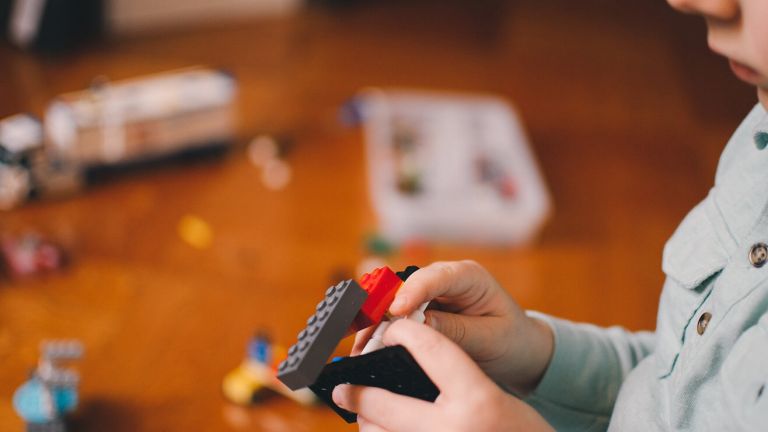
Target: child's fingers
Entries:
(461, 282)
(361, 338)
(449, 367)
(385, 409)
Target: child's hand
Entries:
(477, 314)
(468, 401)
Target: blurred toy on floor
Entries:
(377, 251)
(257, 375)
(377, 245)
(268, 153)
(50, 394)
(30, 254)
(21, 145)
(115, 127)
(195, 231)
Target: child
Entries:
(705, 367)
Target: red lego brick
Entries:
(381, 285)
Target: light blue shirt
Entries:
(706, 365)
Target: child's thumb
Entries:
(451, 325)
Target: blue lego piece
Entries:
(260, 349)
(29, 401)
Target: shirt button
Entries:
(758, 255)
(761, 140)
(701, 327)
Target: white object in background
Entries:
(112, 127)
(134, 16)
(20, 133)
(466, 158)
(143, 118)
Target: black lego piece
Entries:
(391, 368)
(325, 328)
(405, 274)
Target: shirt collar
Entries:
(760, 132)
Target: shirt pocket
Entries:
(697, 249)
(693, 257)
(744, 378)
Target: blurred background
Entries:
(165, 270)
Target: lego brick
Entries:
(381, 285)
(392, 368)
(29, 254)
(325, 328)
(405, 274)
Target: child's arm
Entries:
(585, 365)
(587, 369)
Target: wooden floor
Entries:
(625, 107)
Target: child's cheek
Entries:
(755, 20)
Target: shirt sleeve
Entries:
(589, 364)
